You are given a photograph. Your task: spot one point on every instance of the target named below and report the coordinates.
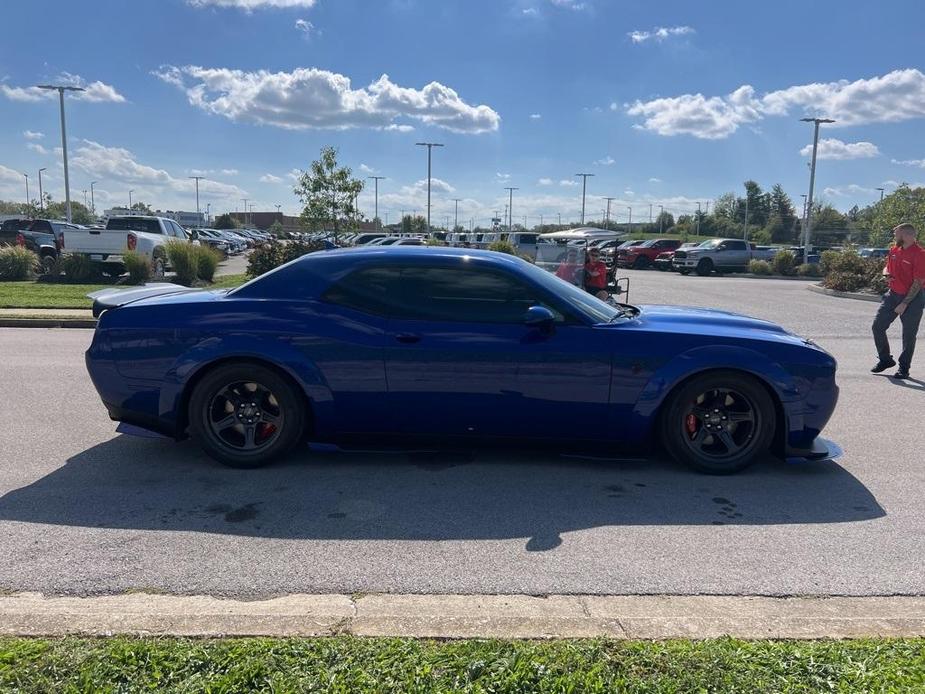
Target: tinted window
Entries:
(41, 225)
(371, 290)
(528, 238)
(735, 245)
(134, 224)
(470, 296)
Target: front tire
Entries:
(246, 415)
(641, 263)
(704, 267)
(719, 423)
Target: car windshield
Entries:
(711, 243)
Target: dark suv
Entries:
(38, 235)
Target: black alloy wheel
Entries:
(245, 415)
(719, 423)
(704, 267)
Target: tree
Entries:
(276, 228)
(328, 192)
(664, 221)
(905, 204)
(406, 224)
(140, 208)
(782, 207)
(418, 224)
(725, 206)
(225, 221)
(759, 206)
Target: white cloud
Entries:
(294, 174)
(36, 147)
(896, 96)
(568, 183)
(30, 135)
(655, 180)
(10, 175)
(659, 33)
(118, 165)
(93, 91)
(270, 178)
(545, 182)
(250, 5)
(531, 12)
(606, 161)
(436, 184)
(312, 98)
(830, 148)
(367, 169)
(576, 5)
(230, 172)
(535, 116)
(847, 191)
(908, 162)
(211, 172)
(502, 177)
(305, 27)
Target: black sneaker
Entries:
(882, 365)
(901, 375)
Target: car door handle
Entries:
(408, 338)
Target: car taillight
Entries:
(132, 242)
(59, 242)
(20, 240)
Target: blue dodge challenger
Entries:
(452, 346)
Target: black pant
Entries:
(910, 318)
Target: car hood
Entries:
(691, 320)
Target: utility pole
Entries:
(85, 197)
(808, 232)
(650, 213)
(430, 146)
(130, 199)
(745, 234)
(67, 187)
(209, 213)
(708, 208)
(197, 179)
(661, 217)
(584, 188)
(41, 194)
(560, 218)
(698, 219)
(630, 225)
(27, 188)
(456, 213)
(881, 193)
(607, 215)
(92, 198)
(376, 180)
(510, 209)
(244, 200)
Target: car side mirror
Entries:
(539, 317)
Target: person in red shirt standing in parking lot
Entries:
(905, 270)
(596, 275)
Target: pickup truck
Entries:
(38, 235)
(146, 235)
(643, 255)
(720, 255)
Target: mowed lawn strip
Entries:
(54, 295)
(357, 665)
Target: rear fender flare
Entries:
(212, 350)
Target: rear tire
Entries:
(641, 263)
(719, 422)
(158, 267)
(246, 415)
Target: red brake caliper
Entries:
(691, 424)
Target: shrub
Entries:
(271, 255)
(502, 247)
(17, 263)
(875, 279)
(434, 242)
(207, 261)
(79, 269)
(842, 261)
(843, 281)
(184, 259)
(809, 270)
(784, 263)
(138, 266)
(760, 267)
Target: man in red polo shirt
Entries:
(905, 270)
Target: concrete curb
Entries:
(466, 616)
(844, 295)
(47, 323)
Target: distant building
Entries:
(185, 219)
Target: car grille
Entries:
(680, 254)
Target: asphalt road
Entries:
(86, 511)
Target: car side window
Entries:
(465, 295)
(372, 290)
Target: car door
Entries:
(735, 255)
(460, 360)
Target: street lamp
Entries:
(584, 188)
(92, 199)
(607, 215)
(198, 217)
(881, 193)
(456, 213)
(27, 188)
(661, 217)
(510, 209)
(376, 180)
(630, 224)
(244, 200)
(67, 188)
(698, 219)
(130, 199)
(812, 182)
(430, 146)
(41, 194)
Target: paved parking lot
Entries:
(83, 510)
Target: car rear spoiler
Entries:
(106, 299)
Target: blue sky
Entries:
(669, 102)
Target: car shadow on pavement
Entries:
(130, 483)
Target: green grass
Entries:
(354, 665)
(45, 295)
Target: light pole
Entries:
(808, 232)
(130, 199)
(197, 179)
(661, 217)
(650, 213)
(607, 215)
(745, 233)
(456, 213)
(27, 188)
(244, 200)
(584, 188)
(881, 193)
(67, 188)
(430, 146)
(630, 224)
(92, 199)
(41, 194)
(510, 209)
(85, 197)
(209, 213)
(698, 219)
(376, 179)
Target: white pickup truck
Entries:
(146, 235)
